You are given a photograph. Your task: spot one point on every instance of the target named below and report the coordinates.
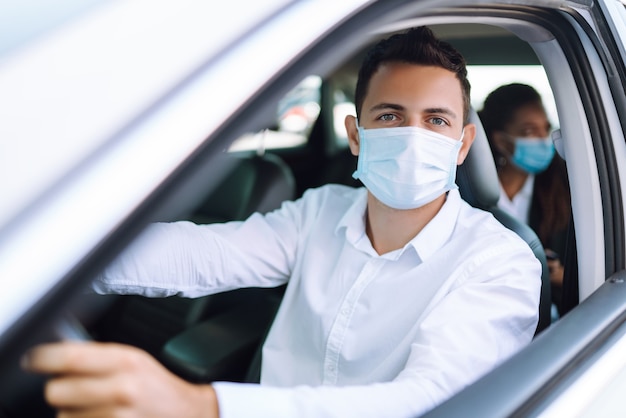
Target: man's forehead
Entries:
(403, 84)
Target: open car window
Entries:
(180, 151)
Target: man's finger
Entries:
(79, 358)
(98, 412)
(87, 392)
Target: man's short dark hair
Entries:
(416, 46)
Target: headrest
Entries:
(256, 183)
(477, 177)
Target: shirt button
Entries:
(345, 312)
(331, 368)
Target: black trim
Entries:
(617, 82)
(608, 173)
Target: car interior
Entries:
(182, 332)
(218, 337)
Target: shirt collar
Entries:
(525, 192)
(519, 206)
(430, 239)
(438, 231)
(354, 218)
(527, 189)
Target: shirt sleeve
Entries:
(189, 260)
(487, 315)
(392, 399)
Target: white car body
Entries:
(104, 108)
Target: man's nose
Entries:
(413, 121)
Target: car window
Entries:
(299, 109)
(296, 113)
(486, 78)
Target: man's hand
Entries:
(106, 380)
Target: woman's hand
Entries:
(555, 267)
(105, 379)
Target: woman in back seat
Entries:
(533, 178)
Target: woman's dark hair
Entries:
(553, 201)
(552, 205)
(502, 103)
(415, 46)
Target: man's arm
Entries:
(185, 259)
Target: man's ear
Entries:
(469, 133)
(353, 134)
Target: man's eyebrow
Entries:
(441, 111)
(394, 106)
(383, 106)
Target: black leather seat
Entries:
(477, 179)
(257, 183)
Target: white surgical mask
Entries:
(406, 167)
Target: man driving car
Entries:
(399, 294)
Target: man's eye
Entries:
(438, 121)
(388, 117)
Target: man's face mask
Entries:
(533, 155)
(406, 167)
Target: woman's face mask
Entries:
(406, 167)
(533, 155)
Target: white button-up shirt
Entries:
(358, 334)
(519, 206)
